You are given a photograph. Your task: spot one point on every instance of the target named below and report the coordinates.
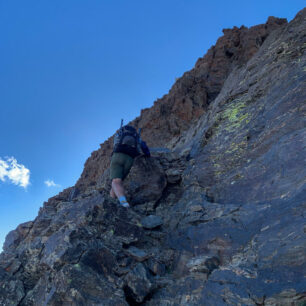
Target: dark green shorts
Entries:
(121, 165)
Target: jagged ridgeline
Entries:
(218, 214)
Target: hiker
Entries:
(127, 146)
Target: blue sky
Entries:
(71, 69)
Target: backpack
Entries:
(127, 136)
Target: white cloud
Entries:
(50, 183)
(16, 173)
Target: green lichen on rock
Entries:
(217, 167)
(77, 266)
(229, 156)
(231, 132)
(237, 148)
(235, 114)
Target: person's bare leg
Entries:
(117, 187)
(112, 193)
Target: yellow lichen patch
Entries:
(217, 168)
(237, 147)
(230, 136)
(235, 114)
(224, 160)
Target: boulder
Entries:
(138, 284)
(146, 181)
(151, 222)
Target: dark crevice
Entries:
(21, 301)
(197, 222)
(20, 270)
(212, 264)
(211, 96)
(130, 297)
(229, 53)
(210, 198)
(255, 302)
(170, 188)
(25, 294)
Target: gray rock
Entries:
(13, 238)
(146, 181)
(198, 264)
(137, 254)
(151, 222)
(173, 176)
(138, 284)
(11, 289)
(156, 267)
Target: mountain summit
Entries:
(218, 211)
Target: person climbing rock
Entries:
(127, 146)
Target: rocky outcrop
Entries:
(218, 211)
(190, 96)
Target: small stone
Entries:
(170, 157)
(196, 208)
(151, 222)
(203, 264)
(137, 254)
(197, 264)
(156, 235)
(171, 197)
(121, 271)
(156, 268)
(173, 176)
(185, 153)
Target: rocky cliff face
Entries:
(218, 213)
(190, 96)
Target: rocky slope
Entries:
(218, 213)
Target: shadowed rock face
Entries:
(218, 217)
